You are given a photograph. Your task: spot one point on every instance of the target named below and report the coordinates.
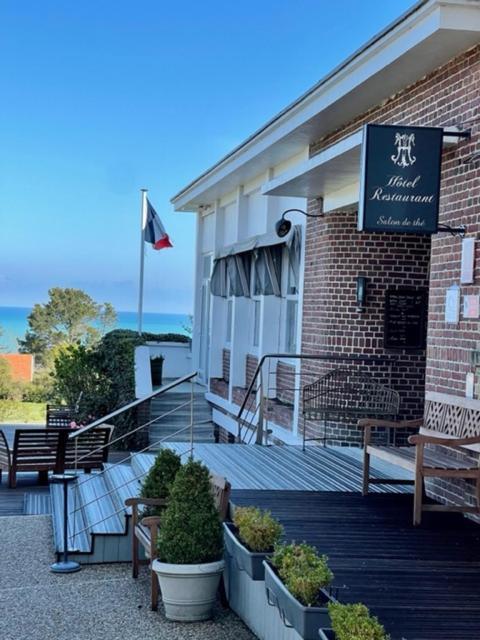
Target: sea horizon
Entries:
(14, 324)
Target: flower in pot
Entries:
(158, 481)
(251, 538)
(190, 546)
(354, 622)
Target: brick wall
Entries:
(219, 386)
(286, 380)
(448, 96)
(226, 364)
(238, 393)
(251, 363)
(336, 253)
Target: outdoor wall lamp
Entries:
(361, 293)
(283, 226)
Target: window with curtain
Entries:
(268, 265)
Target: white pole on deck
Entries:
(143, 222)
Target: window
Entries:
(291, 326)
(289, 301)
(207, 267)
(256, 323)
(291, 280)
(228, 337)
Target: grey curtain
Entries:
(231, 273)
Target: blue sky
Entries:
(103, 98)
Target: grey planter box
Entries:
(305, 620)
(326, 634)
(248, 599)
(244, 559)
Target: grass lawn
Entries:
(15, 411)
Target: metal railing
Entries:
(260, 401)
(151, 444)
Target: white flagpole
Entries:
(143, 221)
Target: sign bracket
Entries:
(453, 231)
(457, 134)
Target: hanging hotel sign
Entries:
(400, 180)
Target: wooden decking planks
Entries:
(289, 468)
(424, 583)
(12, 501)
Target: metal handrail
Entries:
(134, 403)
(132, 431)
(190, 427)
(327, 357)
(71, 538)
(115, 464)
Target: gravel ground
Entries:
(99, 602)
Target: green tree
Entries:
(6, 382)
(69, 317)
(78, 382)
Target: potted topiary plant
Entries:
(190, 546)
(352, 621)
(156, 368)
(296, 581)
(251, 538)
(158, 481)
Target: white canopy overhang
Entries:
(333, 174)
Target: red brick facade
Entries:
(336, 253)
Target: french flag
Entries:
(155, 231)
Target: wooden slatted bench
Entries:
(446, 446)
(44, 450)
(145, 530)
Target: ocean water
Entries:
(14, 323)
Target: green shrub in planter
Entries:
(354, 622)
(159, 479)
(191, 531)
(303, 571)
(257, 529)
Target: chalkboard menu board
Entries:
(405, 318)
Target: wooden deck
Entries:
(12, 501)
(29, 497)
(289, 468)
(423, 583)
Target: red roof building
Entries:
(21, 365)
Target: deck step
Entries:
(167, 427)
(37, 504)
(98, 505)
(79, 540)
(141, 463)
(121, 480)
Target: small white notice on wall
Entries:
(452, 304)
(471, 306)
(469, 385)
(468, 260)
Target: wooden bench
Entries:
(44, 450)
(450, 426)
(145, 530)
